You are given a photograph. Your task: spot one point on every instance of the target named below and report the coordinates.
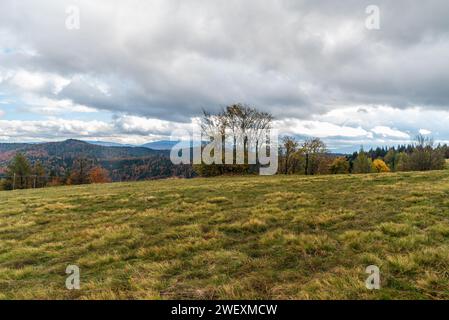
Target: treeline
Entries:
(311, 157)
(423, 155)
(22, 174)
(156, 167)
(242, 127)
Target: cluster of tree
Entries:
(22, 174)
(311, 157)
(156, 167)
(423, 155)
(59, 160)
(240, 126)
(363, 163)
(381, 152)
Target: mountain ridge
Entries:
(76, 148)
(123, 163)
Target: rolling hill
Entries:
(123, 163)
(74, 148)
(252, 237)
(160, 145)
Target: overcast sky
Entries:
(136, 70)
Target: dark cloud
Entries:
(169, 59)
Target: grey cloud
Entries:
(169, 59)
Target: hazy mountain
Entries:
(109, 144)
(73, 149)
(123, 163)
(160, 145)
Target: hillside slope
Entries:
(230, 238)
(122, 163)
(74, 148)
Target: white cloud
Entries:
(145, 126)
(387, 132)
(27, 80)
(319, 129)
(425, 132)
(47, 106)
(124, 129)
(51, 128)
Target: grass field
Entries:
(281, 237)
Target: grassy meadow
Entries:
(280, 237)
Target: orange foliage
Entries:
(380, 166)
(56, 181)
(99, 175)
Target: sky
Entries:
(135, 71)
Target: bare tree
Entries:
(262, 124)
(290, 146)
(424, 156)
(247, 126)
(314, 149)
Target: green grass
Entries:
(281, 237)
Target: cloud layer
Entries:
(307, 62)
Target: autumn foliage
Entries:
(380, 166)
(340, 165)
(99, 175)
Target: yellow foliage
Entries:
(380, 166)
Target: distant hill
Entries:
(73, 149)
(160, 145)
(122, 162)
(109, 144)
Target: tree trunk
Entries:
(306, 170)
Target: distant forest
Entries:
(311, 157)
(77, 162)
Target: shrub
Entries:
(99, 175)
(363, 164)
(380, 166)
(339, 166)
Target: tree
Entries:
(380, 166)
(314, 150)
(363, 163)
(324, 164)
(246, 127)
(340, 165)
(392, 159)
(402, 162)
(99, 175)
(248, 124)
(290, 145)
(425, 157)
(3, 184)
(18, 172)
(40, 175)
(80, 172)
(212, 126)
